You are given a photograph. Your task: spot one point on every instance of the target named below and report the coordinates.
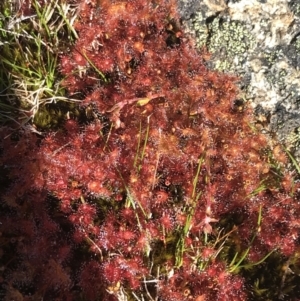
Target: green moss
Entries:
(52, 116)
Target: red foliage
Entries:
(168, 155)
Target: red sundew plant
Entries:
(166, 192)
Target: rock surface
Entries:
(260, 42)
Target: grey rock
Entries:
(260, 42)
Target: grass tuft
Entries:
(31, 41)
